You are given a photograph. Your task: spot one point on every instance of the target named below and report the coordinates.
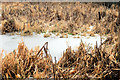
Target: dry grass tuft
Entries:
(85, 62)
(64, 17)
(90, 63)
(46, 35)
(24, 63)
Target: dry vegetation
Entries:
(91, 63)
(23, 63)
(101, 62)
(59, 17)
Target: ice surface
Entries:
(56, 45)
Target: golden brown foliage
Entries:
(85, 62)
(90, 63)
(24, 63)
(61, 17)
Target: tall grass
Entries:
(24, 63)
(68, 17)
(85, 62)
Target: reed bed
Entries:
(97, 63)
(101, 62)
(24, 63)
(63, 17)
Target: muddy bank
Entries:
(66, 17)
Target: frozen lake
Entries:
(56, 45)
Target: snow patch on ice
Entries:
(91, 27)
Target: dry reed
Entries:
(85, 62)
(63, 17)
(24, 63)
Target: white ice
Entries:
(56, 45)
